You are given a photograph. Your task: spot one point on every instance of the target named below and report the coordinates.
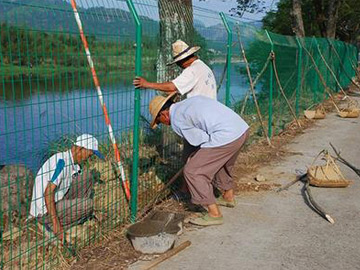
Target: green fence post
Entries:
(135, 165)
(299, 74)
(270, 88)
(335, 63)
(228, 57)
(353, 56)
(316, 79)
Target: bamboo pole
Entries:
(331, 71)
(321, 78)
(254, 83)
(342, 65)
(282, 91)
(252, 86)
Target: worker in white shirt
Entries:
(61, 193)
(196, 79)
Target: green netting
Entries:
(48, 98)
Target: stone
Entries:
(260, 178)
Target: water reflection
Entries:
(35, 111)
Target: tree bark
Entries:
(176, 22)
(326, 16)
(333, 8)
(320, 16)
(298, 28)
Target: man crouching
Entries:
(219, 133)
(61, 194)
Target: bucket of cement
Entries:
(156, 233)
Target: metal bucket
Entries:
(156, 233)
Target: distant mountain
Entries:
(216, 35)
(198, 24)
(57, 15)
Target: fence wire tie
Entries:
(272, 55)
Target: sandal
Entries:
(221, 201)
(206, 220)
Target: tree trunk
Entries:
(320, 16)
(326, 16)
(176, 22)
(298, 20)
(333, 8)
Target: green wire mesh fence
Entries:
(48, 98)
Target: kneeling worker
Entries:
(220, 133)
(61, 193)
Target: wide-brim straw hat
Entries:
(156, 105)
(180, 50)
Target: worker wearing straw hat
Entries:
(61, 193)
(219, 133)
(196, 78)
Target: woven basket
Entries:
(349, 113)
(318, 113)
(352, 110)
(328, 175)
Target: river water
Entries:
(34, 112)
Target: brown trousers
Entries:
(76, 204)
(209, 167)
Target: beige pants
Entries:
(76, 204)
(210, 167)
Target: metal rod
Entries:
(271, 88)
(138, 68)
(228, 59)
(252, 89)
(299, 74)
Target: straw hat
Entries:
(181, 50)
(156, 105)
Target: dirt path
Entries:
(278, 230)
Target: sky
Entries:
(148, 8)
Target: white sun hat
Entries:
(89, 142)
(180, 50)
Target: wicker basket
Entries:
(328, 175)
(318, 113)
(352, 110)
(349, 113)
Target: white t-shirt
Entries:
(197, 79)
(59, 170)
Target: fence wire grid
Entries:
(48, 98)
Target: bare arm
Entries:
(49, 195)
(167, 87)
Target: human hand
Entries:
(140, 82)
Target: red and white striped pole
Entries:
(125, 183)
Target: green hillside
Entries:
(57, 15)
